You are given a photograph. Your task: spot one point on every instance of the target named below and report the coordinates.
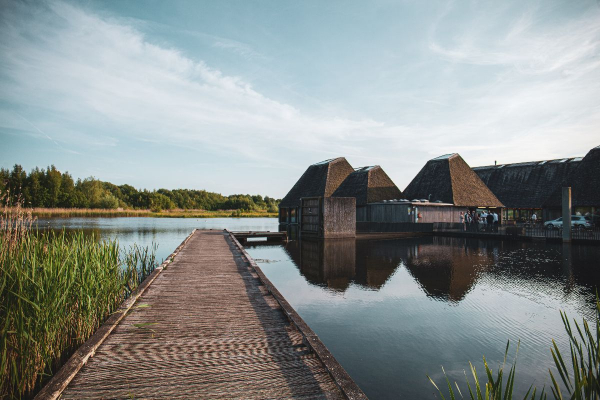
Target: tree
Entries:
(53, 182)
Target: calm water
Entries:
(392, 311)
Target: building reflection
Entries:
(445, 268)
(444, 271)
(376, 261)
(336, 263)
(325, 262)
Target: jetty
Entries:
(206, 324)
(269, 236)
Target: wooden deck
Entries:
(210, 325)
(269, 236)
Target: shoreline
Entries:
(109, 213)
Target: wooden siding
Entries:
(329, 217)
(339, 217)
(361, 213)
(401, 212)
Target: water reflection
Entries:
(338, 263)
(401, 308)
(445, 269)
(326, 262)
(447, 272)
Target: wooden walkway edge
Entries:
(342, 379)
(59, 381)
(210, 326)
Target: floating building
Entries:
(449, 179)
(535, 186)
(367, 185)
(524, 187)
(585, 188)
(445, 187)
(319, 180)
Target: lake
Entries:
(392, 311)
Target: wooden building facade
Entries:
(319, 180)
(328, 217)
(535, 187)
(524, 187)
(584, 182)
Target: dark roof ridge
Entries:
(571, 159)
(329, 161)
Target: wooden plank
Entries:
(342, 379)
(211, 330)
(58, 383)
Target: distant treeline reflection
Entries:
(52, 189)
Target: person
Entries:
(476, 221)
(534, 218)
(496, 219)
(462, 221)
(490, 222)
(468, 220)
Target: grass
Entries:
(578, 376)
(55, 291)
(177, 213)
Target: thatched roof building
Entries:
(319, 180)
(449, 179)
(584, 182)
(527, 184)
(368, 185)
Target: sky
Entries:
(242, 96)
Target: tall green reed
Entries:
(579, 375)
(55, 291)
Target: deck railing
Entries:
(527, 229)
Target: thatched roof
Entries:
(584, 182)
(450, 179)
(319, 180)
(368, 185)
(527, 184)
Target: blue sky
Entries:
(241, 96)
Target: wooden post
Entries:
(566, 214)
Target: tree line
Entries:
(51, 188)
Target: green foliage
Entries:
(491, 388)
(580, 378)
(56, 291)
(49, 189)
(582, 381)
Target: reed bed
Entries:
(177, 213)
(578, 375)
(55, 291)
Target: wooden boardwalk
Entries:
(209, 327)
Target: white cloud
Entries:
(74, 63)
(65, 68)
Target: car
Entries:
(577, 221)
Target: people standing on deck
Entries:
(490, 222)
(496, 219)
(476, 221)
(468, 220)
(462, 221)
(484, 220)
